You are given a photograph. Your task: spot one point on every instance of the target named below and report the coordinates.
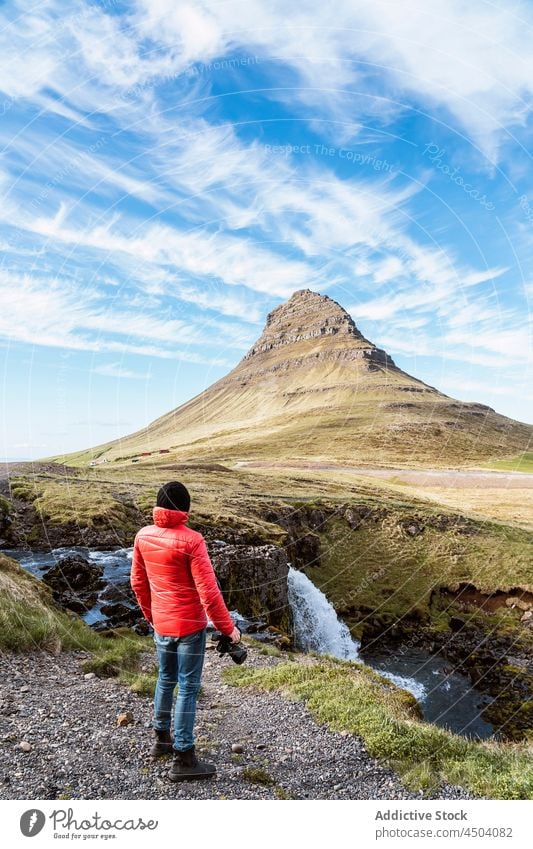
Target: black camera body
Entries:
(236, 651)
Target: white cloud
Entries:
(471, 59)
(61, 314)
(233, 260)
(513, 343)
(120, 371)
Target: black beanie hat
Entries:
(174, 496)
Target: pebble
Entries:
(97, 760)
(237, 748)
(125, 718)
(25, 746)
(89, 675)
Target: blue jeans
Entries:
(181, 661)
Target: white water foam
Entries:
(316, 625)
(318, 628)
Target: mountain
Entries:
(313, 388)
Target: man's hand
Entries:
(235, 635)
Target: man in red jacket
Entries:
(175, 585)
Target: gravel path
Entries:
(77, 751)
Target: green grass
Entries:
(519, 463)
(270, 651)
(257, 775)
(142, 683)
(83, 504)
(353, 698)
(29, 621)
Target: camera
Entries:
(236, 651)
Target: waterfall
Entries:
(318, 628)
(316, 625)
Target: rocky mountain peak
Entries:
(307, 316)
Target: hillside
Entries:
(313, 387)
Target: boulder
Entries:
(75, 582)
(117, 593)
(74, 573)
(254, 581)
(121, 614)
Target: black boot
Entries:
(187, 767)
(162, 744)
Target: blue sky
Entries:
(170, 172)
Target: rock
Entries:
(527, 616)
(125, 718)
(254, 580)
(25, 746)
(412, 527)
(121, 613)
(89, 675)
(237, 748)
(352, 517)
(303, 544)
(516, 601)
(75, 582)
(143, 628)
(117, 593)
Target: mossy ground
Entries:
(350, 697)
(73, 501)
(379, 572)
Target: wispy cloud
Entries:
(118, 370)
(60, 314)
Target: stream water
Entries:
(116, 565)
(446, 698)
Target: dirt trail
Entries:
(446, 478)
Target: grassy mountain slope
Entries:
(313, 386)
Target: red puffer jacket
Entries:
(173, 579)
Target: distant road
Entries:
(448, 478)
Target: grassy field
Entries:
(522, 462)
(349, 697)
(379, 566)
(469, 495)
